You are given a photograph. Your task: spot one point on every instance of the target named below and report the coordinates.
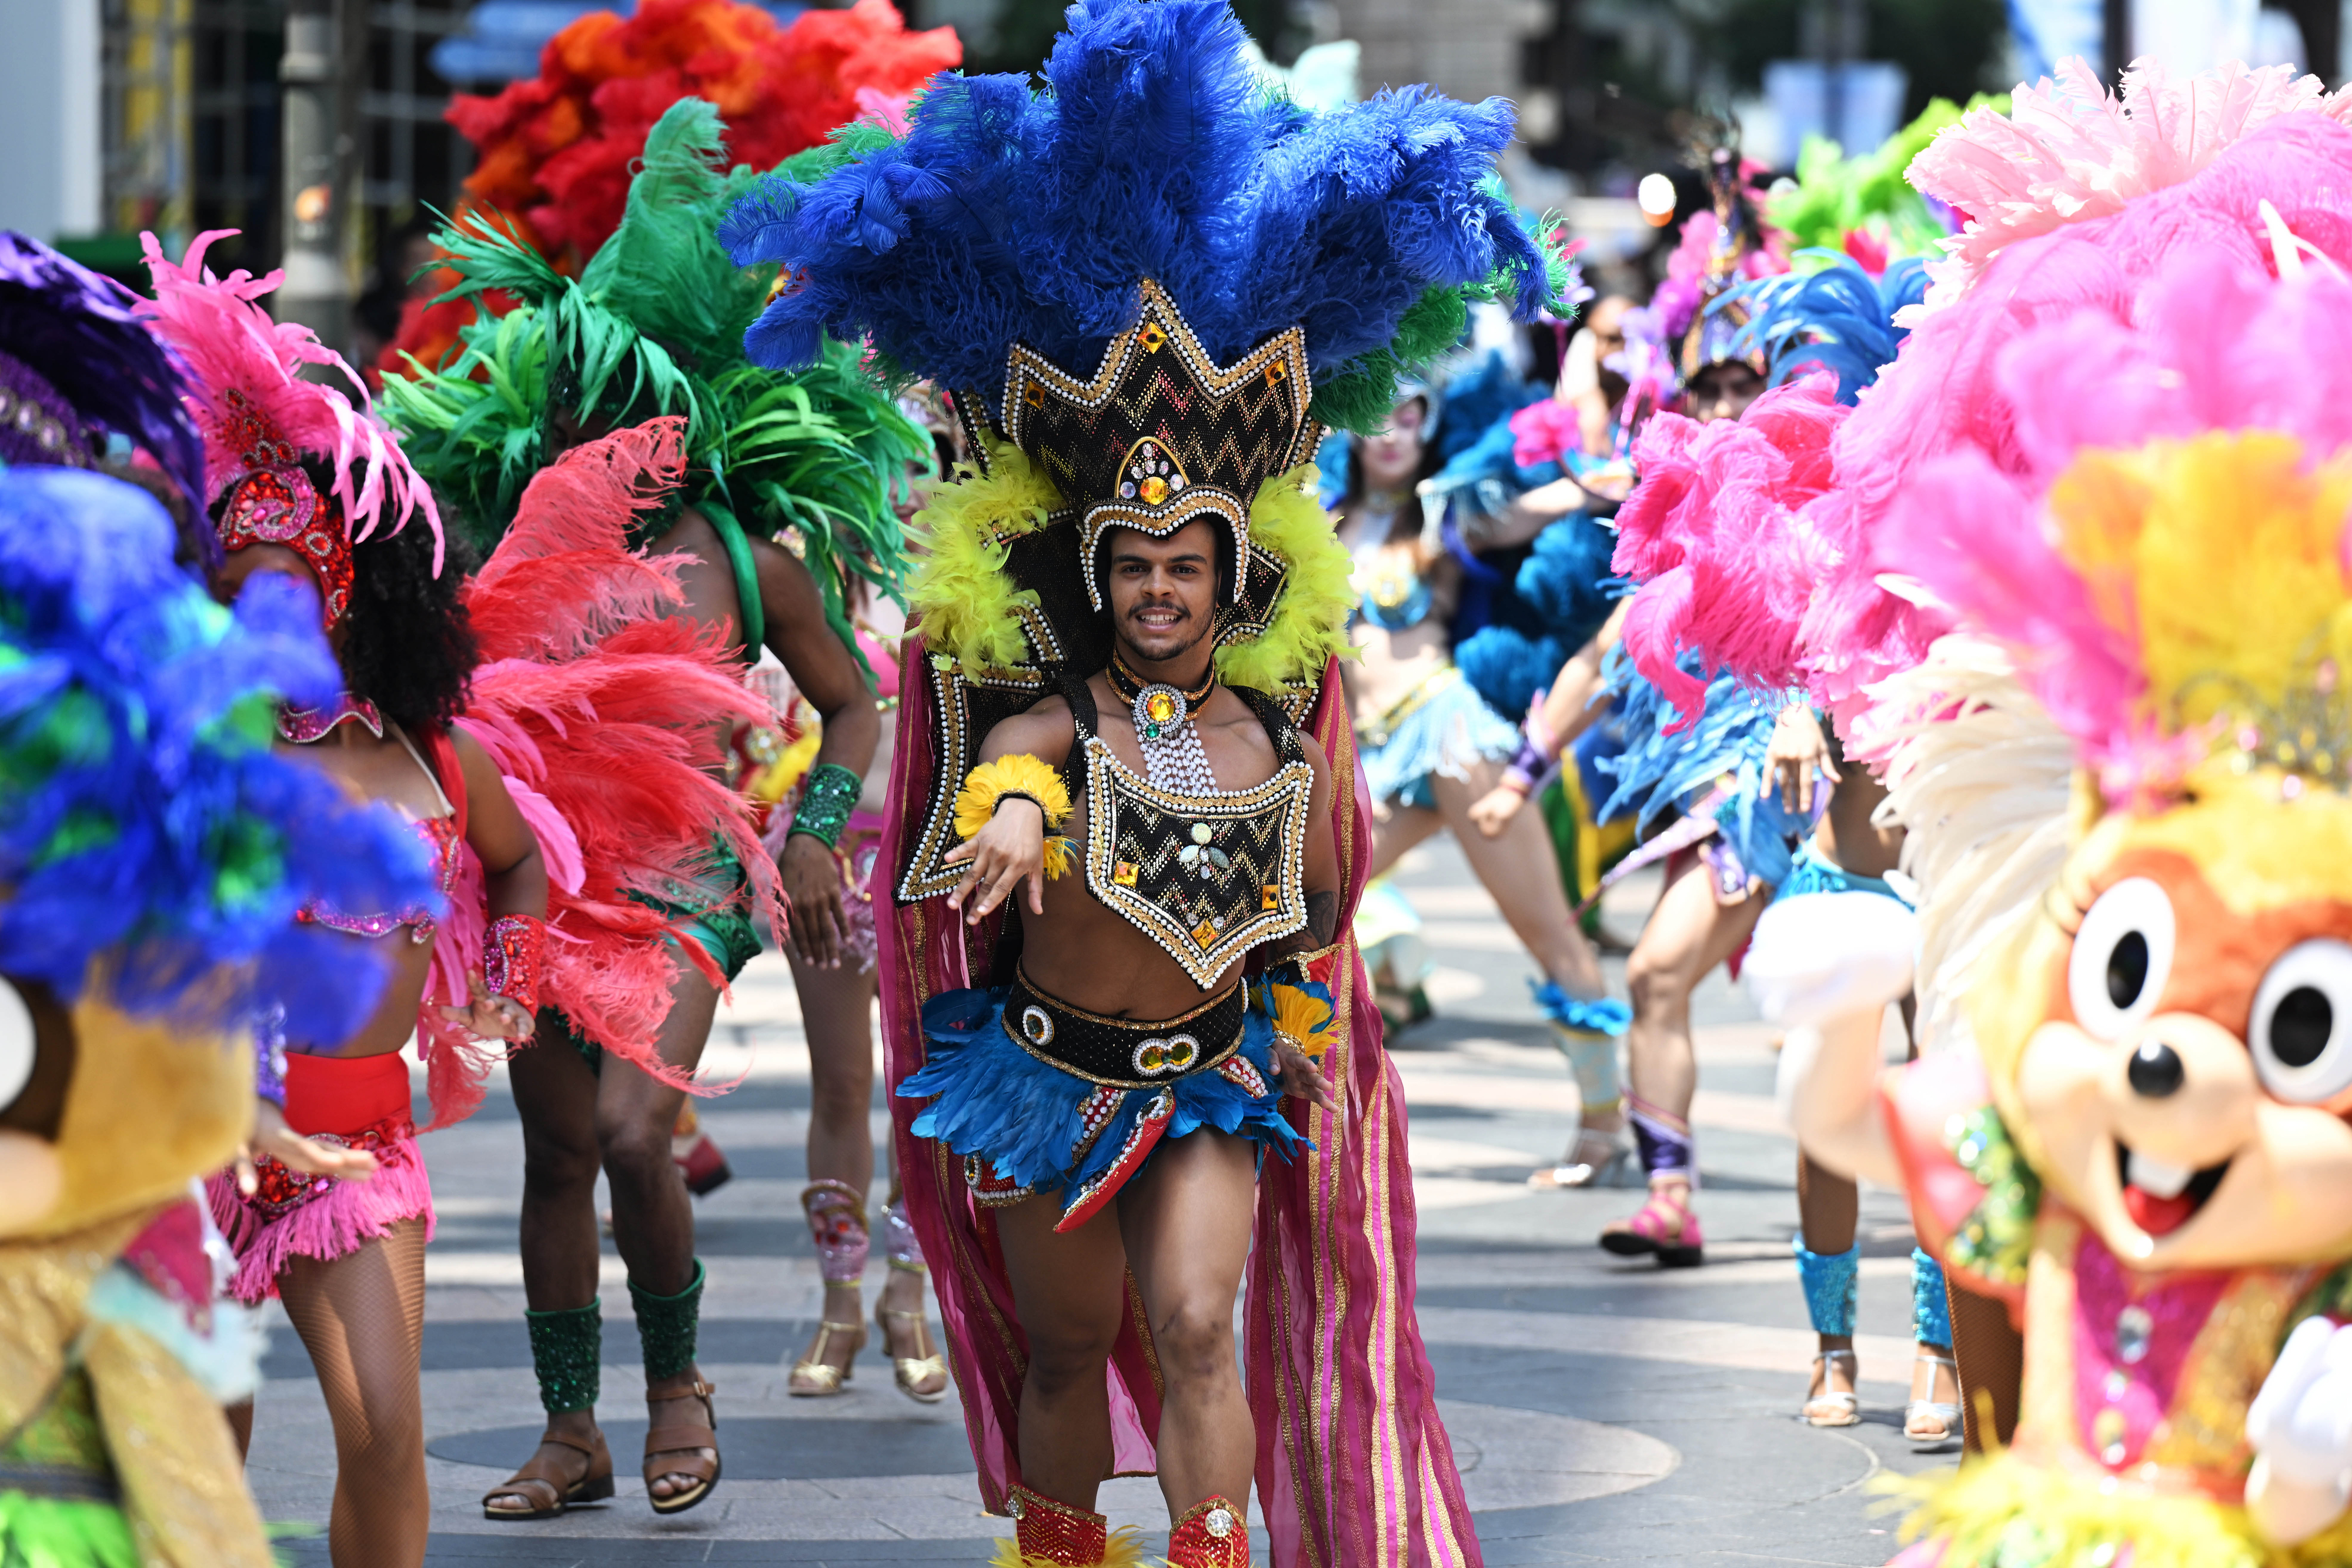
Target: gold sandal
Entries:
(823, 1378)
(913, 1371)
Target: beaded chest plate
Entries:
(1207, 877)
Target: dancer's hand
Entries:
(1492, 811)
(289, 1148)
(1008, 853)
(1799, 747)
(1302, 1077)
(491, 1018)
(813, 887)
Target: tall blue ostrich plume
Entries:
(1153, 150)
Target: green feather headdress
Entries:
(1835, 194)
(655, 325)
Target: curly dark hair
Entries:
(408, 646)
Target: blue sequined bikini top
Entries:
(1206, 877)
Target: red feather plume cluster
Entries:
(555, 154)
(559, 149)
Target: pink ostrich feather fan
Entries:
(2068, 151)
(2167, 545)
(235, 353)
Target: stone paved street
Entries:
(1601, 1411)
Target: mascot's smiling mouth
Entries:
(2161, 1197)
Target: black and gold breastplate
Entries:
(1207, 877)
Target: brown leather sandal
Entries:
(675, 1442)
(538, 1478)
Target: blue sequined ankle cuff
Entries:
(1832, 1285)
(1931, 1310)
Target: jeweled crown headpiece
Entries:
(1162, 435)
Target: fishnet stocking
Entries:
(361, 1317)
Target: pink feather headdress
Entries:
(2167, 553)
(260, 417)
(1720, 536)
(2068, 151)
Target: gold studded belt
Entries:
(1122, 1052)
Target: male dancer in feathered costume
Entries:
(1148, 286)
(647, 345)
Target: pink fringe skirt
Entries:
(360, 1102)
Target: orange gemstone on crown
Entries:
(1155, 490)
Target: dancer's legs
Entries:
(1069, 1290)
(1398, 828)
(1186, 1223)
(835, 1008)
(653, 1216)
(1689, 933)
(1828, 1209)
(576, 1120)
(361, 1317)
(1519, 869)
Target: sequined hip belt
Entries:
(1123, 1053)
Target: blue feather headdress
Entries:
(1839, 318)
(145, 826)
(1154, 152)
(80, 333)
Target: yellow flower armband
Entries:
(1022, 775)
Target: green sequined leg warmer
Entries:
(665, 1326)
(567, 1350)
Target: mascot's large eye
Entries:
(18, 1052)
(2123, 955)
(2302, 1033)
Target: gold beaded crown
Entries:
(1162, 435)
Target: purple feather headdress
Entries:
(79, 333)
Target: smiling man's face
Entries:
(1163, 591)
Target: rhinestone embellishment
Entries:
(1036, 1026)
(1220, 1523)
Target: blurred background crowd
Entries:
(328, 131)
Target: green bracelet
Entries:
(825, 804)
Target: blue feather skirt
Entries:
(1449, 731)
(1025, 1127)
(1714, 768)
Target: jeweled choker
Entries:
(1173, 758)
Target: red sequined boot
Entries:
(1212, 1534)
(1049, 1534)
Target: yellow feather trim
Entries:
(2001, 1509)
(1019, 774)
(2220, 556)
(1123, 1550)
(969, 606)
(1310, 617)
(1060, 855)
(1304, 1017)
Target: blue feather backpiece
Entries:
(1152, 152)
(145, 823)
(1839, 318)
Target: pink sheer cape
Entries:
(1354, 1469)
